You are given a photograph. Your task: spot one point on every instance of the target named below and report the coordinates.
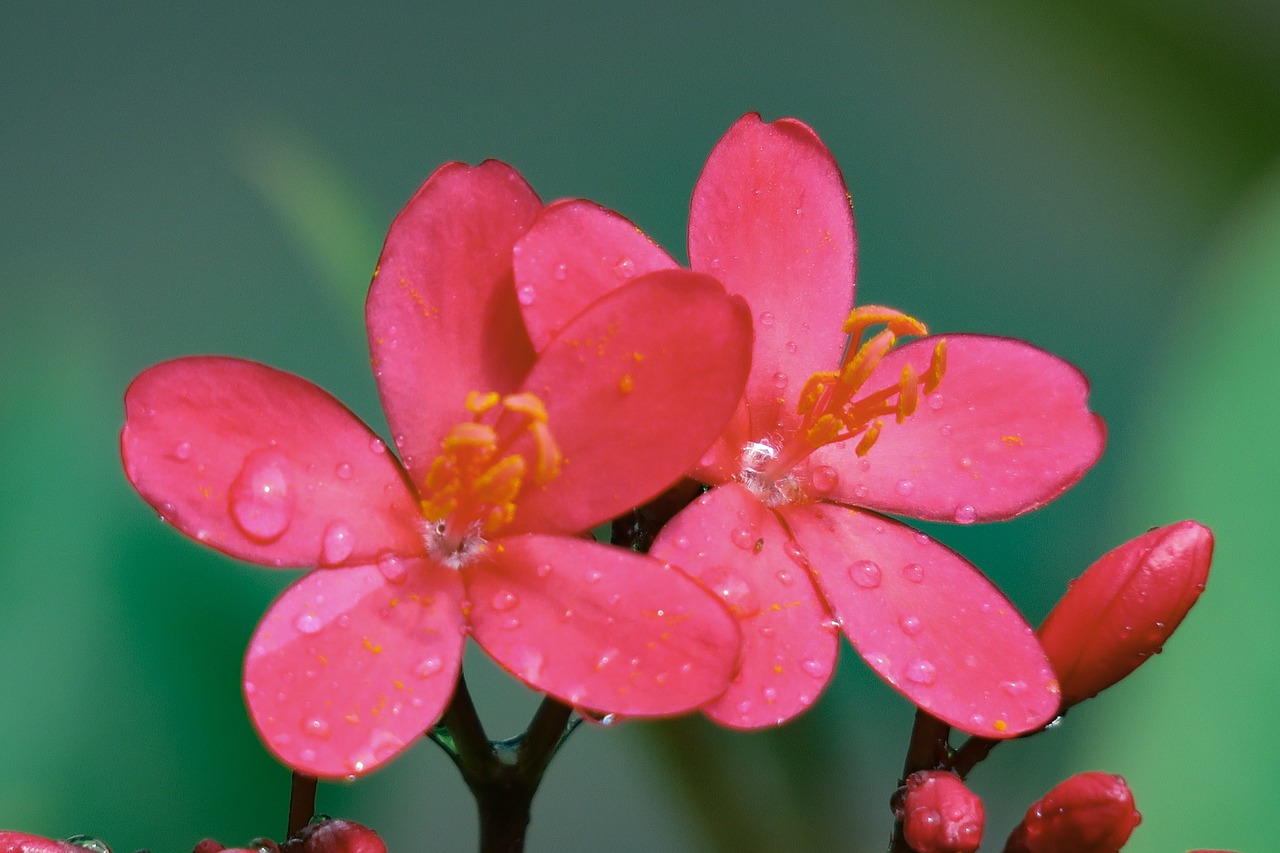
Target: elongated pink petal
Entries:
(636, 388)
(1008, 430)
(737, 548)
(927, 621)
(600, 627)
(576, 252)
(349, 667)
(21, 842)
(442, 314)
(771, 219)
(263, 465)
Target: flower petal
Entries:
(576, 252)
(348, 668)
(771, 219)
(442, 314)
(637, 387)
(927, 621)
(21, 842)
(600, 627)
(263, 465)
(737, 548)
(1007, 430)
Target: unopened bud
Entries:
(340, 836)
(1124, 607)
(1088, 813)
(939, 814)
(208, 845)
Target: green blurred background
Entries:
(217, 178)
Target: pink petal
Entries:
(737, 548)
(348, 668)
(576, 252)
(771, 219)
(263, 465)
(927, 621)
(442, 313)
(1008, 430)
(600, 627)
(21, 842)
(637, 388)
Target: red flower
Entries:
(940, 814)
(505, 459)
(1088, 813)
(1124, 607)
(963, 428)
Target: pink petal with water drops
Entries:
(263, 465)
(771, 219)
(348, 668)
(737, 548)
(442, 314)
(636, 388)
(599, 627)
(576, 252)
(927, 621)
(21, 842)
(1006, 431)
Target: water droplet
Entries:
(744, 706)
(733, 591)
(935, 401)
(913, 572)
(527, 662)
(921, 671)
(770, 694)
(743, 537)
(909, 624)
(780, 380)
(429, 667)
(88, 842)
(343, 471)
(946, 429)
(392, 567)
(561, 271)
(1014, 688)
(526, 294)
(865, 574)
(262, 497)
(505, 600)
(766, 318)
(824, 478)
(543, 570)
(791, 347)
(905, 487)
(183, 451)
(344, 621)
(815, 668)
(316, 727)
(796, 553)
(336, 544)
(966, 514)
(864, 464)
(606, 657)
(593, 576)
(831, 624)
(625, 268)
(784, 577)
(860, 491)
(308, 623)
(682, 542)
(376, 445)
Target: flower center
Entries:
(471, 488)
(835, 406)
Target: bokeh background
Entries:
(1097, 177)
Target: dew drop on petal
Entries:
(527, 661)
(1014, 688)
(732, 590)
(343, 471)
(428, 667)
(913, 572)
(784, 577)
(905, 487)
(336, 544)
(526, 294)
(593, 576)
(543, 570)
(780, 380)
(561, 271)
(815, 668)
(770, 694)
(796, 553)
(392, 567)
(766, 318)
(262, 497)
(377, 446)
(966, 514)
(824, 478)
(624, 268)
(183, 451)
(606, 657)
(316, 727)
(791, 347)
(909, 624)
(743, 537)
(505, 600)
(935, 401)
(308, 623)
(921, 671)
(865, 574)
(946, 429)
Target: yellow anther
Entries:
(814, 388)
(937, 366)
(872, 315)
(868, 438)
(526, 404)
(858, 369)
(478, 403)
(470, 435)
(825, 430)
(549, 459)
(907, 396)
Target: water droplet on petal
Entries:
(183, 451)
(946, 429)
(815, 668)
(784, 577)
(909, 624)
(913, 572)
(733, 591)
(505, 600)
(1014, 688)
(308, 623)
(336, 544)
(824, 478)
(966, 514)
(376, 445)
(682, 542)
(766, 318)
(791, 347)
(561, 271)
(86, 841)
(865, 574)
(392, 567)
(796, 553)
(625, 268)
(770, 694)
(429, 667)
(526, 294)
(527, 663)
(743, 537)
(543, 570)
(935, 401)
(606, 657)
(921, 671)
(316, 727)
(780, 380)
(343, 471)
(262, 496)
(905, 487)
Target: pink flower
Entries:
(963, 428)
(505, 459)
(1088, 813)
(940, 814)
(1124, 607)
(21, 842)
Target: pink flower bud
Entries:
(1124, 607)
(939, 814)
(340, 836)
(208, 845)
(1088, 813)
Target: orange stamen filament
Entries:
(830, 407)
(471, 488)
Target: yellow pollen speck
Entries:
(371, 646)
(1011, 439)
(637, 357)
(1000, 725)
(399, 684)
(777, 668)
(626, 384)
(353, 719)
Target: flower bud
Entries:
(208, 845)
(340, 836)
(1088, 813)
(1124, 607)
(939, 814)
